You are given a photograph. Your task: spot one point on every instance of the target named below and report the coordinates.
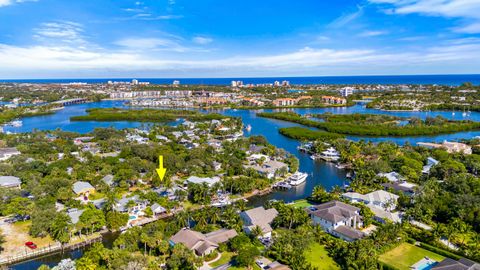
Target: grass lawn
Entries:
(16, 235)
(318, 257)
(226, 257)
(405, 255)
(301, 204)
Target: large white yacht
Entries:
(297, 178)
(330, 154)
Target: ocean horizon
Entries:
(447, 79)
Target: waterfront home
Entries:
(210, 181)
(333, 100)
(338, 218)
(157, 209)
(74, 214)
(392, 176)
(82, 188)
(380, 198)
(6, 153)
(284, 102)
(136, 207)
(450, 147)
(10, 182)
(269, 168)
(202, 244)
(451, 264)
(260, 217)
(430, 163)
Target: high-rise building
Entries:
(346, 91)
(134, 81)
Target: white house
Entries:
(210, 181)
(380, 198)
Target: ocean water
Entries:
(449, 79)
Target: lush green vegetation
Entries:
(144, 115)
(405, 255)
(317, 256)
(377, 125)
(7, 115)
(306, 134)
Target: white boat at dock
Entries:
(330, 154)
(297, 178)
(282, 185)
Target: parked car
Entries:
(31, 245)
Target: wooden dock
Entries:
(40, 252)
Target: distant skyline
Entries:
(238, 38)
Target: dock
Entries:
(51, 249)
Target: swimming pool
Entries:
(132, 217)
(425, 265)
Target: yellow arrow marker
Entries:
(161, 170)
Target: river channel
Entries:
(320, 173)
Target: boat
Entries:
(248, 128)
(330, 154)
(314, 157)
(305, 147)
(16, 123)
(297, 178)
(282, 185)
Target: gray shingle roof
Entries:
(79, 186)
(349, 232)
(334, 211)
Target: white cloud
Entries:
(167, 44)
(346, 18)
(372, 33)
(4, 3)
(60, 31)
(53, 60)
(465, 9)
(202, 40)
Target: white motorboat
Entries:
(330, 154)
(297, 178)
(16, 123)
(248, 128)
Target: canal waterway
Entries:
(320, 173)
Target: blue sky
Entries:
(237, 38)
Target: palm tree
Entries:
(214, 215)
(144, 239)
(257, 231)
